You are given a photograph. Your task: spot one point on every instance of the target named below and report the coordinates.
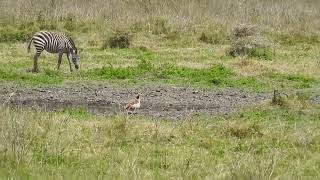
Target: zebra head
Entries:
(75, 58)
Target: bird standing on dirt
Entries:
(133, 104)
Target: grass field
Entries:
(195, 44)
(162, 50)
(199, 65)
(266, 142)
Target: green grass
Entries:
(75, 112)
(141, 65)
(216, 76)
(195, 58)
(295, 80)
(266, 142)
(48, 77)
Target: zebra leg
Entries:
(35, 62)
(59, 60)
(70, 64)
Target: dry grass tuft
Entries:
(120, 39)
(213, 37)
(244, 130)
(247, 41)
(278, 99)
(285, 15)
(244, 31)
(296, 100)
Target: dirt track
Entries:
(167, 102)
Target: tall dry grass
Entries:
(267, 143)
(283, 15)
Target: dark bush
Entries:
(278, 99)
(120, 39)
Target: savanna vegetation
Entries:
(254, 45)
(265, 143)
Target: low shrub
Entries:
(279, 99)
(121, 39)
(244, 31)
(254, 46)
(247, 41)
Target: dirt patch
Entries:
(166, 102)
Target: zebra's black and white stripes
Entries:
(57, 43)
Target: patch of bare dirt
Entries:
(166, 102)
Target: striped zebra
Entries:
(54, 42)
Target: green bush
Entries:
(262, 53)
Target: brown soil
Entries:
(166, 102)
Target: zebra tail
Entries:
(29, 46)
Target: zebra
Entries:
(54, 42)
